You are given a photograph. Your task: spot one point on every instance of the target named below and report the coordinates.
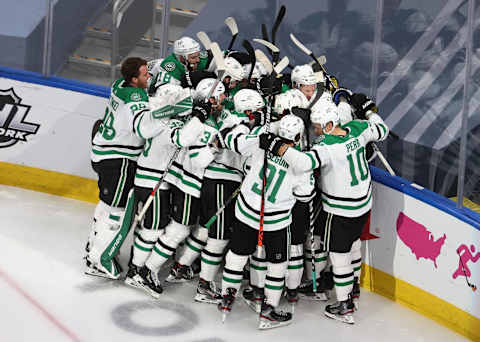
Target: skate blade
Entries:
(133, 283)
(253, 306)
(314, 296)
(94, 272)
(342, 318)
(173, 279)
(356, 304)
(204, 299)
(148, 290)
(265, 324)
(224, 316)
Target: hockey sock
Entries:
(356, 252)
(274, 282)
(295, 266)
(143, 244)
(233, 271)
(342, 274)
(258, 269)
(320, 258)
(212, 256)
(167, 244)
(195, 242)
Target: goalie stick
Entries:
(232, 25)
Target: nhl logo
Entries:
(13, 124)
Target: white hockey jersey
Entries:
(159, 150)
(283, 186)
(345, 176)
(189, 169)
(130, 119)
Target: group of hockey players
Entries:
(264, 173)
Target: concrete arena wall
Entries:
(412, 246)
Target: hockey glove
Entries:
(271, 143)
(202, 110)
(341, 92)
(260, 118)
(362, 104)
(304, 114)
(269, 85)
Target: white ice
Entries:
(45, 296)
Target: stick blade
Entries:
(264, 60)
(204, 39)
(269, 45)
(232, 25)
(281, 65)
(300, 45)
(218, 56)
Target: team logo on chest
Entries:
(169, 66)
(13, 124)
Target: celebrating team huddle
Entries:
(219, 158)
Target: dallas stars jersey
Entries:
(187, 171)
(170, 70)
(158, 150)
(129, 120)
(283, 186)
(345, 176)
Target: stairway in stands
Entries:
(91, 60)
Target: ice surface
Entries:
(45, 296)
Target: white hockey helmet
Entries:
(286, 101)
(304, 75)
(291, 128)
(324, 113)
(258, 71)
(234, 69)
(204, 86)
(185, 46)
(248, 99)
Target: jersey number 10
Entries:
(362, 166)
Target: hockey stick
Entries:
(261, 57)
(204, 39)
(275, 51)
(253, 59)
(265, 34)
(276, 25)
(332, 84)
(222, 208)
(218, 56)
(232, 25)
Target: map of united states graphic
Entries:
(420, 241)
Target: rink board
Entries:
(56, 159)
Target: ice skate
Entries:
(341, 311)
(271, 318)
(225, 306)
(207, 292)
(180, 273)
(254, 297)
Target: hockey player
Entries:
(151, 166)
(222, 176)
(186, 57)
(346, 188)
(185, 178)
(281, 190)
(128, 121)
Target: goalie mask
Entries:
(234, 70)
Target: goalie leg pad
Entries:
(167, 244)
(212, 256)
(342, 274)
(274, 282)
(233, 271)
(195, 243)
(295, 266)
(258, 268)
